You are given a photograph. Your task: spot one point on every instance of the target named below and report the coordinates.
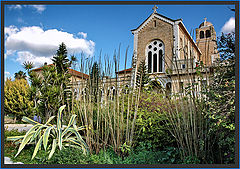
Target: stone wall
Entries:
(163, 31)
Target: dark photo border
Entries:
(236, 3)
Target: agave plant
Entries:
(40, 133)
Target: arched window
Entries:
(155, 56)
(208, 33)
(181, 43)
(168, 88)
(154, 62)
(160, 60)
(186, 51)
(149, 62)
(126, 89)
(201, 34)
(113, 92)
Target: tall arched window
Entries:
(155, 56)
(149, 61)
(181, 43)
(201, 34)
(168, 88)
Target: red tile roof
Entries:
(71, 72)
(78, 74)
(40, 68)
(126, 70)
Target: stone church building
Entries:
(169, 51)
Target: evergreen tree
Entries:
(62, 65)
(60, 60)
(226, 46)
(95, 79)
(142, 75)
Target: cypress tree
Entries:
(95, 78)
(142, 75)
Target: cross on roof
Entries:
(155, 9)
(205, 19)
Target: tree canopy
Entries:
(16, 98)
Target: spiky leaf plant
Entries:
(41, 133)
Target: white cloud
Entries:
(38, 45)
(37, 60)
(229, 26)
(10, 30)
(14, 7)
(9, 52)
(38, 8)
(82, 34)
(7, 75)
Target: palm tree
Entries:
(27, 66)
(73, 61)
(20, 75)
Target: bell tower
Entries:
(206, 42)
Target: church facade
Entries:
(169, 51)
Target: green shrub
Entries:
(10, 133)
(220, 105)
(68, 155)
(107, 156)
(191, 160)
(16, 98)
(151, 122)
(143, 154)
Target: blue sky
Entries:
(32, 33)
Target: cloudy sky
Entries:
(33, 32)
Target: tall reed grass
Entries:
(111, 119)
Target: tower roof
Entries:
(205, 23)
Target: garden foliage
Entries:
(220, 103)
(51, 89)
(151, 123)
(20, 75)
(147, 126)
(42, 134)
(142, 78)
(16, 98)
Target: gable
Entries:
(150, 18)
